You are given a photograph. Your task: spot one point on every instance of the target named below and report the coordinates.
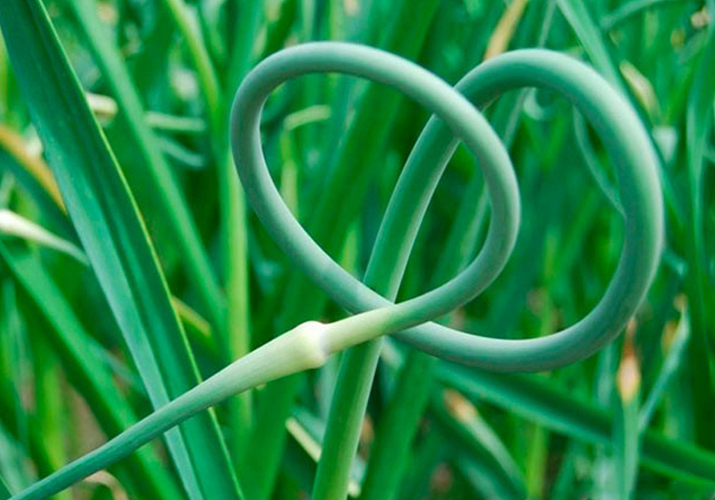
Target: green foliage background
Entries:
(161, 275)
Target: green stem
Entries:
(308, 345)
(614, 119)
(234, 227)
(294, 351)
(396, 428)
(208, 81)
(235, 266)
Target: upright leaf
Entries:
(115, 240)
(85, 369)
(4, 490)
(700, 290)
(150, 162)
(577, 14)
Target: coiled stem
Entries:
(308, 345)
(613, 118)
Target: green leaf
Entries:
(626, 438)
(4, 490)
(114, 239)
(535, 398)
(10, 412)
(577, 14)
(79, 355)
(472, 433)
(701, 291)
(671, 366)
(162, 192)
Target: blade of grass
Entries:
(9, 411)
(16, 225)
(279, 28)
(12, 144)
(235, 265)
(426, 458)
(189, 27)
(86, 370)
(182, 156)
(592, 163)
(18, 363)
(244, 49)
(197, 328)
(151, 161)
(115, 240)
(578, 16)
(626, 438)
(675, 340)
(50, 406)
(18, 442)
(235, 329)
(458, 415)
(175, 124)
(4, 490)
(234, 224)
(536, 399)
(396, 428)
(700, 291)
(504, 30)
(480, 475)
(629, 9)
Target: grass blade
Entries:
(86, 370)
(16, 225)
(115, 240)
(396, 428)
(625, 433)
(676, 337)
(629, 9)
(534, 398)
(701, 292)
(473, 433)
(50, 403)
(150, 160)
(35, 448)
(4, 490)
(577, 14)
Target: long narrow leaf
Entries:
(114, 238)
(86, 370)
(700, 290)
(578, 16)
(150, 161)
(4, 490)
(556, 409)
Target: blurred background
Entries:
(635, 420)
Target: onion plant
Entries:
(190, 342)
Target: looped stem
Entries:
(613, 118)
(308, 345)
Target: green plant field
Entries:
(144, 250)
